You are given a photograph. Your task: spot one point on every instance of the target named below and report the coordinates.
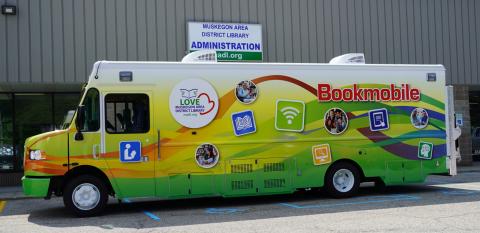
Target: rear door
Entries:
(453, 133)
(129, 143)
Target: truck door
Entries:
(85, 150)
(129, 145)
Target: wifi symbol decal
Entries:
(290, 115)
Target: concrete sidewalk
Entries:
(16, 192)
(11, 192)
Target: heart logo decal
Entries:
(211, 102)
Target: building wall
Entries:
(57, 41)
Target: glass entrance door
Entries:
(475, 123)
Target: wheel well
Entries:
(85, 170)
(350, 162)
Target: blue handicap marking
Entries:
(378, 119)
(130, 151)
(149, 214)
(222, 210)
(243, 123)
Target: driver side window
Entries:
(92, 111)
(127, 113)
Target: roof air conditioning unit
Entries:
(349, 58)
(201, 56)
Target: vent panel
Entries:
(242, 184)
(274, 183)
(241, 168)
(274, 167)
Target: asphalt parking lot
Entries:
(442, 204)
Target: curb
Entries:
(12, 193)
(15, 198)
(469, 171)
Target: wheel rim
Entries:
(86, 196)
(343, 180)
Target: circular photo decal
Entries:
(336, 121)
(246, 91)
(207, 155)
(419, 118)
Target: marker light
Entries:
(9, 10)
(36, 155)
(125, 76)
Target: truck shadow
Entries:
(217, 210)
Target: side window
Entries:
(127, 113)
(92, 111)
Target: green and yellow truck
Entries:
(173, 130)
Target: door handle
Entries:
(94, 154)
(158, 145)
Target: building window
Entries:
(7, 148)
(26, 114)
(63, 104)
(475, 123)
(33, 115)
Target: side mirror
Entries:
(79, 122)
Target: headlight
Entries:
(36, 155)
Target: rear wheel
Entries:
(85, 196)
(342, 180)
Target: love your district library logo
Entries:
(193, 103)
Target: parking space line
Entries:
(371, 200)
(2, 205)
(460, 192)
(152, 216)
(458, 185)
(223, 210)
(149, 214)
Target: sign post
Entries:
(232, 41)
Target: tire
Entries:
(85, 196)
(342, 180)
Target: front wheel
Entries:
(342, 180)
(85, 196)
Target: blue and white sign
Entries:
(231, 41)
(243, 123)
(130, 151)
(459, 119)
(378, 119)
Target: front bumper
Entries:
(35, 186)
